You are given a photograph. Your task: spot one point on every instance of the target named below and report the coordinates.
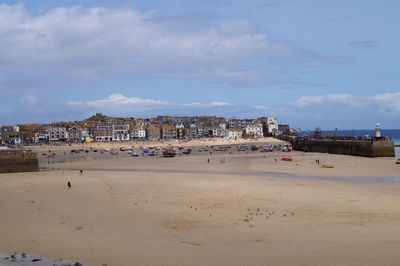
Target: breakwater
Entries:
(365, 148)
(17, 160)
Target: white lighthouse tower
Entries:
(378, 134)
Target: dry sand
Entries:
(185, 211)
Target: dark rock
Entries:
(78, 264)
(23, 255)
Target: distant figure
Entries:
(81, 171)
(69, 185)
(208, 160)
(276, 160)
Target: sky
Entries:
(308, 62)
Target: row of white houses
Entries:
(233, 129)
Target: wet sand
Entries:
(185, 211)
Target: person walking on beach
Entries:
(208, 160)
(69, 185)
(81, 171)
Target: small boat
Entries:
(187, 151)
(287, 159)
(151, 153)
(398, 161)
(169, 152)
(327, 166)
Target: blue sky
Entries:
(310, 63)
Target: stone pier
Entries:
(18, 160)
(366, 148)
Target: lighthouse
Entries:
(378, 134)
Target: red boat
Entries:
(287, 158)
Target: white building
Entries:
(272, 128)
(255, 129)
(58, 133)
(138, 133)
(121, 133)
(235, 133)
(104, 133)
(85, 133)
(77, 134)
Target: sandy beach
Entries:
(247, 210)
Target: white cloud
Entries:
(29, 100)
(91, 43)
(117, 105)
(260, 107)
(121, 100)
(193, 104)
(347, 111)
(344, 99)
(387, 101)
(212, 104)
(220, 104)
(74, 103)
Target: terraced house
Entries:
(121, 132)
(58, 133)
(168, 132)
(104, 133)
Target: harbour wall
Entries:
(12, 161)
(372, 148)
